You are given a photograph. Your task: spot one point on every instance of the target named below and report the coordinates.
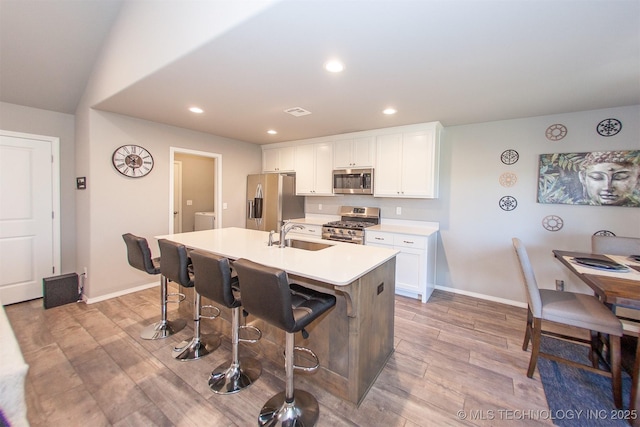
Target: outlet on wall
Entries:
(319, 206)
(398, 210)
(559, 285)
(86, 274)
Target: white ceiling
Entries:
(456, 61)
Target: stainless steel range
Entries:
(353, 221)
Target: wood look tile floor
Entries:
(89, 367)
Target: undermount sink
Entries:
(307, 246)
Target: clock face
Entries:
(133, 161)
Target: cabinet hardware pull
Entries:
(408, 241)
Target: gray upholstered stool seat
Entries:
(267, 294)
(139, 257)
(214, 281)
(175, 265)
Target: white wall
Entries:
(146, 36)
(119, 204)
(475, 253)
(150, 34)
(17, 118)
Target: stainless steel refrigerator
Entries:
(271, 198)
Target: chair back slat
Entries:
(265, 293)
(615, 245)
(174, 262)
(529, 278)
(139, 254)
(213, 278)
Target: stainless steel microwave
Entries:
(353, 181)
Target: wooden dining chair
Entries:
(615, 245)
(569, 309)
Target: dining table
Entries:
(616, 283)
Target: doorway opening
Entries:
(195, 179)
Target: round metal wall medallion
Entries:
(508, 203)
(609, 127)
(604, 233)
(552, 223)
(508, 179)
(556, 132)
(509, 157)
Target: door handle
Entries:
(175, 212)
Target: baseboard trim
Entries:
(119, 293)
(482, 296)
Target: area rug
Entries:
(577, 397)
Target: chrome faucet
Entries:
(271, 242)
(284, 229)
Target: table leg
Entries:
(634, 404)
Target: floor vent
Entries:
(297, 111)
(60, 290)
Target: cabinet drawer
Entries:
(375, 237)
(310, 230)
(410, 241)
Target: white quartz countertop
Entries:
(340, 264)
(314, 220)
(404, 229)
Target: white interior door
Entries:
(27, 189)
(177, 196)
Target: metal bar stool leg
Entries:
(292, 407)
(241, 373)
(164, 327)
(196, 347)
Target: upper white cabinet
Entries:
(314, 169)
(354, 153)
(407, 164)
(405, 160)
(278, 159)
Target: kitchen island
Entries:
(353, 340)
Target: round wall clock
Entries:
(132, 161)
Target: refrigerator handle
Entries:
(257, 207)
(250, 210)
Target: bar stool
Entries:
(139, 256)
(214, 281)
(175, 266)
(268, 295)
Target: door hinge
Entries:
(53, 270)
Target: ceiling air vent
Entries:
(297, 111)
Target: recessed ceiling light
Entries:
(271, 132)
(389, 111)
(334, 66)
(196, 110)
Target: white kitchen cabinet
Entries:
(278, 159)
(309, 230)
(354, 153)
(407, 164)
(415, 263)
(314, 169)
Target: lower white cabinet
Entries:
(415, 264)
(309, 230)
